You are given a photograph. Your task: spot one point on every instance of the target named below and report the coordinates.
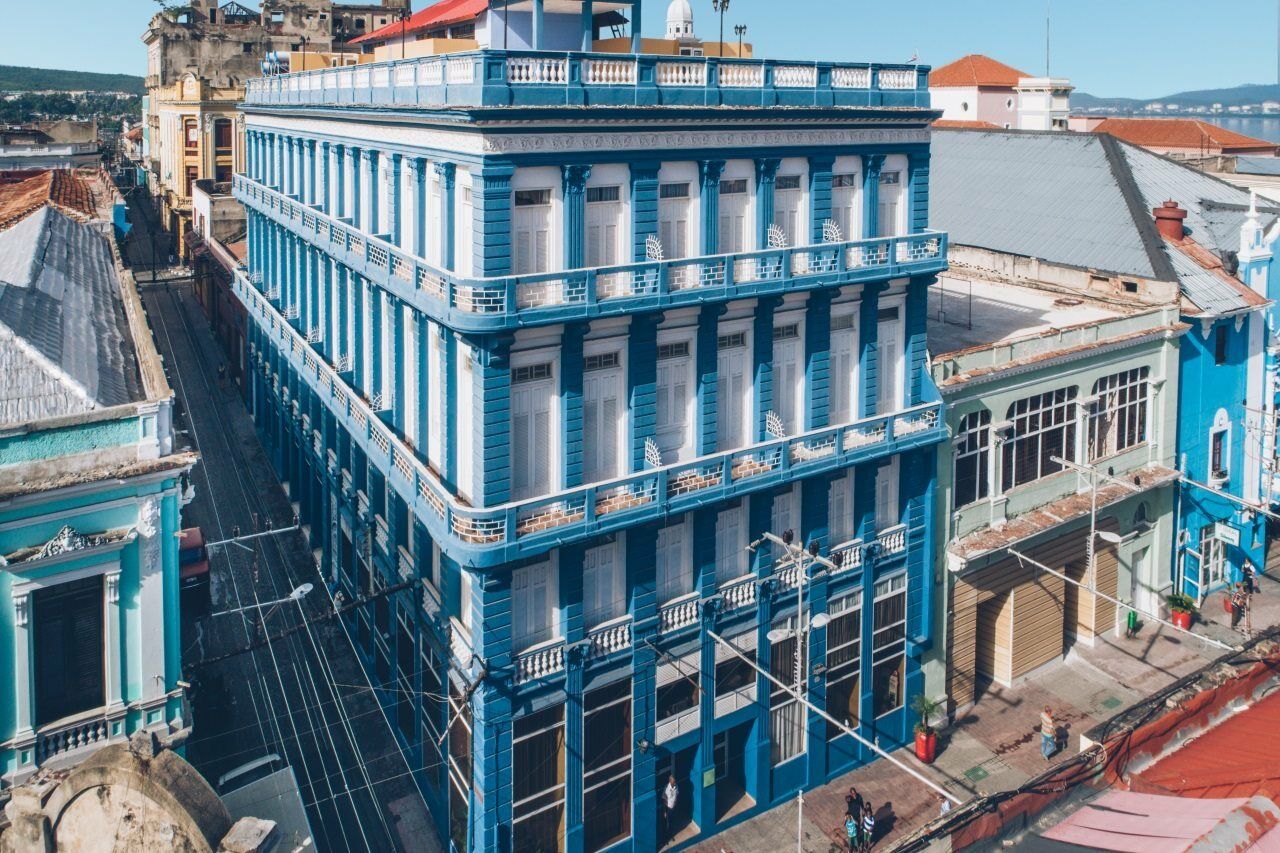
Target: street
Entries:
(302, 696)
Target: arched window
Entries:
(972, 455)
(1042, 427)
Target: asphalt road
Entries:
(303, 696)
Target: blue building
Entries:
(91, 489)
(540, 342)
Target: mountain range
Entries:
(1252, 93)
(15, 78)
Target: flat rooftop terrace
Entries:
(966, 315)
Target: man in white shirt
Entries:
(670, 796)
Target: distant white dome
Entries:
(679, 19)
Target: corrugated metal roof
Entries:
(1038, 195)
(64, 341)
(1085, 200)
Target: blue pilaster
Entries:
(820, 178)
(709, 172)
(642, 383)
(918, 189)
(310, 159)
(340, 182)
(872, 164)
(492, 399)
(762, 346)
(574, 186)
(705, 428)
(447, 173)
(394, 184)
(398, 317)
(644, 205)
(491, 242)
(423, 388)
(418, 178)
(868, 341)
(766, 182)
(817, 350)
(323, 200)
(571, 401)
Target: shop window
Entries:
(538, 782)
(844, 661)
(606, 797)
(889, 642)
(786, 714)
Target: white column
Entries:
(111, 621)
(151, 599)
(24, 703)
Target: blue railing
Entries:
(548, 78)
(491, 304)
(491, 536)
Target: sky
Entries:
(1133, 48)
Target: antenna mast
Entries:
(1048, 26)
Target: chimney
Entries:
(1169, 220)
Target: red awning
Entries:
(1148, 823)
(437, 15)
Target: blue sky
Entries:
(1139, 48)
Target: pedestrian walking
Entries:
(1048, 733)
(1237, 605)
(868, 827)
(670, 798)
(945, 806)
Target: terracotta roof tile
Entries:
(956, 124)
(436, 15)
(1180, 133)
(975, 70)
(59, 187)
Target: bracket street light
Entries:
(298, 594)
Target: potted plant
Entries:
(1181, 607)
(926, 738)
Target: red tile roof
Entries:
(436, 15)
(958, 124)
(59, 187)
(1240, 757)
(976, 70)
(1180, 133)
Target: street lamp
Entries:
(721, 6)
(740, 30)
(297, 595)
(801, 558)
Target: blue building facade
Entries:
(1224, 443)
(538, 362)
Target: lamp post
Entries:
(801, 559)
(721, 6)
(740, 30)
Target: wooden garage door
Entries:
(994, 639)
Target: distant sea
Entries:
(1259, 127)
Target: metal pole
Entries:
(1037, 564)
(1244, 503)
(251, 536)
(736, 652)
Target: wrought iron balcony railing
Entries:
(495, 78)
(487, 304)
(493, 535)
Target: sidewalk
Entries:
(996, 745)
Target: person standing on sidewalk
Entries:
(670, 797)
(868, 827)
(1237, 606)
(1048, 733)
(1249, 576)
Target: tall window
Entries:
(190, 136)
(675, 378)
(604, 587)
(889, 642)
(889, 215)
(1118, 415)
(844, 661)
(735, 678)
(1220, 345)
(1044, 426)
(734, 407)
(532, 232)
(888, 511)
(432, 717)
(733, 216)
(731, 544)
(891, 394)
(844, 369)
(840, 527)
(846, 205)
(459, 766)
(675, 562)
(69, 646)
(786, 714)
(533, 605)
(674, 208)
(1220, 448)
(604, 225)
(678, 693)
(537, 789)
(788, 206)
(603, 386)
(532, 390)
(788, 376)
(973, 452)
(606, 742)
(405, 655)
(222, 136)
